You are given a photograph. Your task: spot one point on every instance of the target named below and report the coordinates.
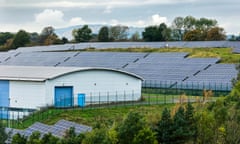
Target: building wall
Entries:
(25, 94)
(97, 85)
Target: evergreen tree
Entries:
(164, 128)
(190, 122)
(180, 127)
(130, 127)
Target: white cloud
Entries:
(157, 19)
(50, 17)
(76, 21)
(87, 3)
(114, 22)
(108, 9)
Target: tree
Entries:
(49, 139)
(71, 137)
(145, 136)
(150, 33)
(3, 134)
(164, 32)
(157, 33)
(96, 136)
(130, 127)
(83, 34)
(216, 34)
(164, 128)
(64, 40)
(46, 32)
(135, 37)
(194, 35)
(190, 122)
(19, 139)
(205, 24)
(20, 39)
(34, 138)
(103, 35)
(118, 33)
(206, 126)
(180, 127)
(177, 26)
(189, 23)
(4, 36)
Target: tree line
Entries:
(182, 29)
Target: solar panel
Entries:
(58, 129)
(39, 58)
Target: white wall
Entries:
(103, 84)
(25, 94)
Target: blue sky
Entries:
(34, 15)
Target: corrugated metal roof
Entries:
(39, 73)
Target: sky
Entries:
(34, 15)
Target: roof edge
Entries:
(98, 68)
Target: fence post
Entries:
(116, 98)
(108, 103)
(133, 97)
(91, 99)
(99, 99)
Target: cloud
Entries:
(114, 22)
(108, 9)
(87, 3)
(157, 19)
(50, 17)
(76, 21)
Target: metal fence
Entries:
(152, 94)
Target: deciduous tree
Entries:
(83, 34)
(103, 35)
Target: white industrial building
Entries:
(36, 87)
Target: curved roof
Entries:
(39, 73)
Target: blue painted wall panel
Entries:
(81, 100)
(63, 97)
(4, 93)
(4, 99)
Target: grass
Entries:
(91, 117)
(151, 107)
(225, 54)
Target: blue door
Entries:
(81, 100)
(63, 96)
(4, 98)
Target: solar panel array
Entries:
(103, 45)
(173, 68)
(236, 50)
(169, 66)
(39, 58)
(114, 60)
(57, 129)
(217, 76)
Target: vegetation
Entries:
(83, 34)
(3, 135)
